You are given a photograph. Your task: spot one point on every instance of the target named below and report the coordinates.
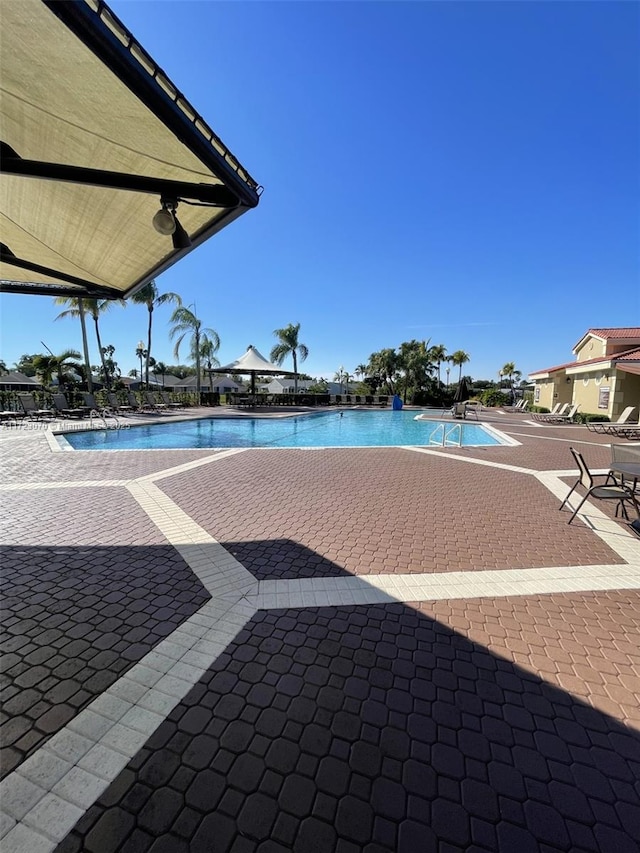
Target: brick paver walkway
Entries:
(331, 650)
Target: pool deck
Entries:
(369, 650)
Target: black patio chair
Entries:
(611, 491)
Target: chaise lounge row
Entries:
(359, 400)
(60, 407)
(620, 428)
(560, 414)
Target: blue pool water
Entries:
(327, 429)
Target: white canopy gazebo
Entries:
(254, 364)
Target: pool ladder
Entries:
(102, 416)
(445, 435)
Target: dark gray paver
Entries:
(73, 621)
(480, 755)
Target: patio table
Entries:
(630, 469)
(627, 469)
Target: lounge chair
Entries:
(619, 427)
(62, 407)
(459, 410)
(135, 405)
(31, 410)
(541, 416)
(149, 402)
(11, 415)
(631, 432)
(116, 406)
(608, 491)
(166, 399)
(94, 407)
(567, 417)
(92, 404)
(606, 427)
(558, 409)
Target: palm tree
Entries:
(160, 369)
(415, 360)
(95, 307)
(45, 366)
(438, 353)
(3, 367)
(61, 300)
(208, 348)
(509, 370)
(186, 323)
(289, 345)
(384, 366)
(361, 371)
(149, 296)
(459, 358)
(48, 365)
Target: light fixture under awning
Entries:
(95, 139)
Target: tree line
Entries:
(413, 369)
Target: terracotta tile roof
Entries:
(627, 355)
(616, 333)
(609, 334)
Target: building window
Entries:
(603, 397)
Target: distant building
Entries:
(222, 384)
(286, 385)
(16, 381)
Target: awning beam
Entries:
(90, 289)
(80, 18)
(216, 195)
(55, 290)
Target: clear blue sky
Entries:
(461, 172)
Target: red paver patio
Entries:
(377, 511)
(22, 461)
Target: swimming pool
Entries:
(326, 429)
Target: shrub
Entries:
(493, 397)
(587, 417)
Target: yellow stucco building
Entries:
(604, 378)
